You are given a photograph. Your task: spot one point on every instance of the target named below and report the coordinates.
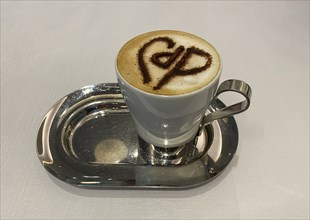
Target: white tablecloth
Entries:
(50, 48)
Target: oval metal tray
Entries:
(88, 139)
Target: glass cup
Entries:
(169, 121)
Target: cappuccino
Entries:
(168, 62)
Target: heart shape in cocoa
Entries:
(170, 58)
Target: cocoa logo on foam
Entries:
(171, 57)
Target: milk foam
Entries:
(128, 65)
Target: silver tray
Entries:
(88, 139)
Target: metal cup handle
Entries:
(232, 85)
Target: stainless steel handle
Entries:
(232, 85)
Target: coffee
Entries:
(168, 62)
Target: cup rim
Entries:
(214, 80)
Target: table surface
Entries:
(49, 49)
